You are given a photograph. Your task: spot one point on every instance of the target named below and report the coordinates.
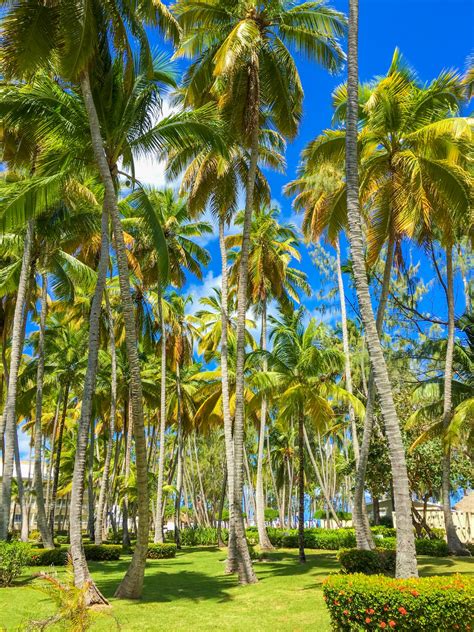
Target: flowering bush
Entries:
(376, 602)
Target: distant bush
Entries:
(361, 602)
(161, 551)
(102, 552)
(386, 521)
(367, 562)
(434, 548)
(48, 557)
(201, 536)
(14, 556)
(62, 539)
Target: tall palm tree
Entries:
(213, 179)
(406, 554)
(272, 248)
(184, 256)
(303, 366)
(243, 60)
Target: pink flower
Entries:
(368, 620)
(346, 612)
(383, 624)
(402, 610)
(392, 624)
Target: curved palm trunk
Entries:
(364, 536)
(41, 519)
(104, 485)
(132, 583)
(454, 543)
(8, 419)
(244, 563)
(161, 458)
(302, 556)
(263, 539)
(51, 451)
(231, 566)
(81, 570)
(406, 556)
(347, 353)
(57, 462)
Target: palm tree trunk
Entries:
(51, 452)
(21, 491)
(132, 583)
(244, 563)
(454, 543)
(8, 419)
(179, 472)
(161, 459)
(364, 536)
(220, 541)
(319, 478)
(104, 484)
(81, 570)
(231, 565)
(90, 485)
(302, 556)
(346, 348)
(41, 520)
(127, 446)
(406, 555)
(263, 539)
(57, 463)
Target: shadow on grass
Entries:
(287, 565)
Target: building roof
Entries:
(466, 504)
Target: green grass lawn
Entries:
(191, 592)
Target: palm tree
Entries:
(272, 247)
(303, 368)
(406, 554)
(244, 62)
(214, 179)
(184, 255)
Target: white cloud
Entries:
(202, 289)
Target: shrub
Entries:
(14, 556)
(102, 552)
(367, 562)
(201, 536)
(434, 548)
(360, 602)
(386, 532)
(161, 551)
(62, 539)
(48, 557)
(386, 521)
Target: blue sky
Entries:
(431, 34)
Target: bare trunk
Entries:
(454, 543)
(406, 555)
(244, 563)
(220, 541)
(364, 536)
(179, 473)
(231, 566)
(81, 570)
(132, 583)
(161, 459)
(104, 485)
(302, 556)
(90, 485)
(347, 352)
(263, 539)
(8, 419)
(41, 519)
(21, 492)
(57, 462)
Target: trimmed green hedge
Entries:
(48, 557)
(102, 552)
(58, 556)
(376, 602)
(367, 562)
(161, 551)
